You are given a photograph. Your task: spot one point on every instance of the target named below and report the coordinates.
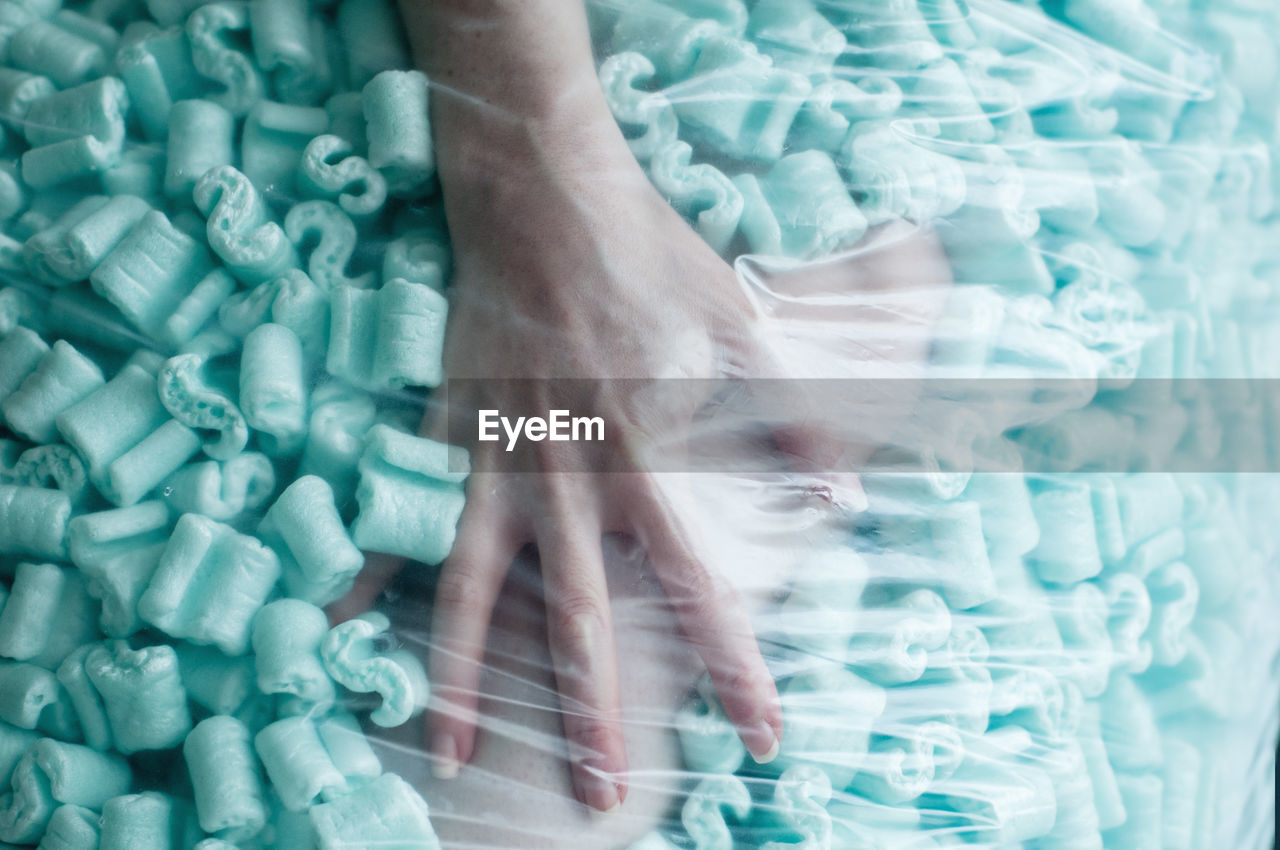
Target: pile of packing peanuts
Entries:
(225, 261)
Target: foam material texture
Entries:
(225, 270)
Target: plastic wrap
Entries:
(1018, 260)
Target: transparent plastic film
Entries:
(696, 424)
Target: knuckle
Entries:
(460, 593)
(741, 681)
(594, 740)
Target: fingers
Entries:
(580, 633)
(715, 620)
(469, 584)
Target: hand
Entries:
(583, 271)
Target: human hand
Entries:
(577, 287)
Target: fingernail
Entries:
(597, 792)
(444, 752)
(761, 742)
(597, 814)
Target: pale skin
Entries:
(554, 222)
(568, 264)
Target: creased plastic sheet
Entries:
(1019, 259)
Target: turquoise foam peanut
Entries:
(14, 742)
(418, 256)
(157, 70)
(112, 420)
(273, 141)
(146, 821)
(646, 117)
(287, 635)
(46, 240)
(71, 828)
(387, 338)
(89, 28)
(199, 306)
(273, 387)
(139, 172)
(210, 29)
(194, 400)
(215, 682)
(297, 763)
(62, 162)
(95, 109)
(352, 335)
(737, 102)
(223, 490)
(1068, 549)
(117, 550)
(829, 714)
(26, 692)
(709, 808)
(141, 469)
(892, 644)
(13, 193)
(47, 616)
(330, 170)
(240, 230)
(445, 463)
(18, 90)
(302, 307)
(700, 192)
(904, 761)
(670, 39)
(33, 522)
(348, 748)
(85, 699)
(289, 44)
(21, 351)
(229, 797)
(334, 236)
(150, 272)
(292, 300)
(75, 133)
(169, 12)
(63, 377)
(303, 526)
(398, 125)
(55, 466)
(353, 661)
(209, 584)
(53, 772)
(143, 695)
(796, 36)
(43, 47)
(708, 739)
(836, 105)
(17, 309)
(372, 39)
(800, 799)
(340, 417)
(74, 250)
(201, 138)
(387, 812)
(814, 210)
(1006, 804)
(396, 472)
(411, 322)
